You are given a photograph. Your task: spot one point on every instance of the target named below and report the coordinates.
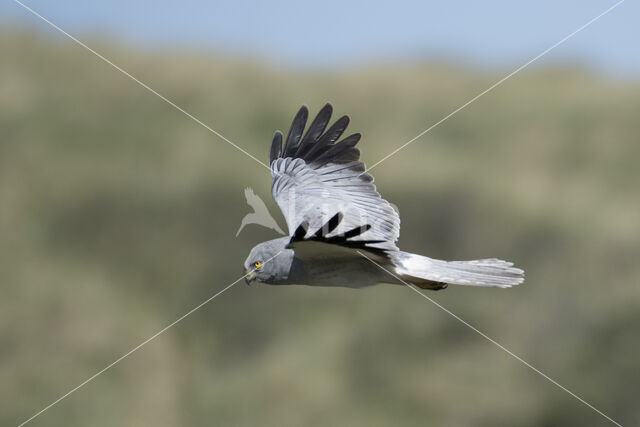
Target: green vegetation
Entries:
(118, 214)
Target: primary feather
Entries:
(315, 177)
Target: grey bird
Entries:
(342, 233)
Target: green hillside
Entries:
(118, 214)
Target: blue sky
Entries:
(331, 33)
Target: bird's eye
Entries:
(257, 264)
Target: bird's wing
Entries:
(324, 243)
(315, 177)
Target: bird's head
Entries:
(268, 262)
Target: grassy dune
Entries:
(118, 214)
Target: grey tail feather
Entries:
(428, 273)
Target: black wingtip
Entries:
(326, 109)
(317, 126)
(295, 131)
(276, 146)
(319, 144)
(340, 152)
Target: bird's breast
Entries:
(350, 273)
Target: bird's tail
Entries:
(428, 273)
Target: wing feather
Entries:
(315, 178)
(316, 129)
(295, 132)
(276, 147)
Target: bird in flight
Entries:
(338, 223)
(260, 214)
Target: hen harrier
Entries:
(335, 216)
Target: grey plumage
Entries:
(333, 212)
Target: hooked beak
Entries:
(249, 276)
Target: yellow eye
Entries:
(257, 264)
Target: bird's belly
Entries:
(337, 274)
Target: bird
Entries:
(260, 214)
(342, 233)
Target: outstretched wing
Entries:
(315, 178)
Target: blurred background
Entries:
(118, 213)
